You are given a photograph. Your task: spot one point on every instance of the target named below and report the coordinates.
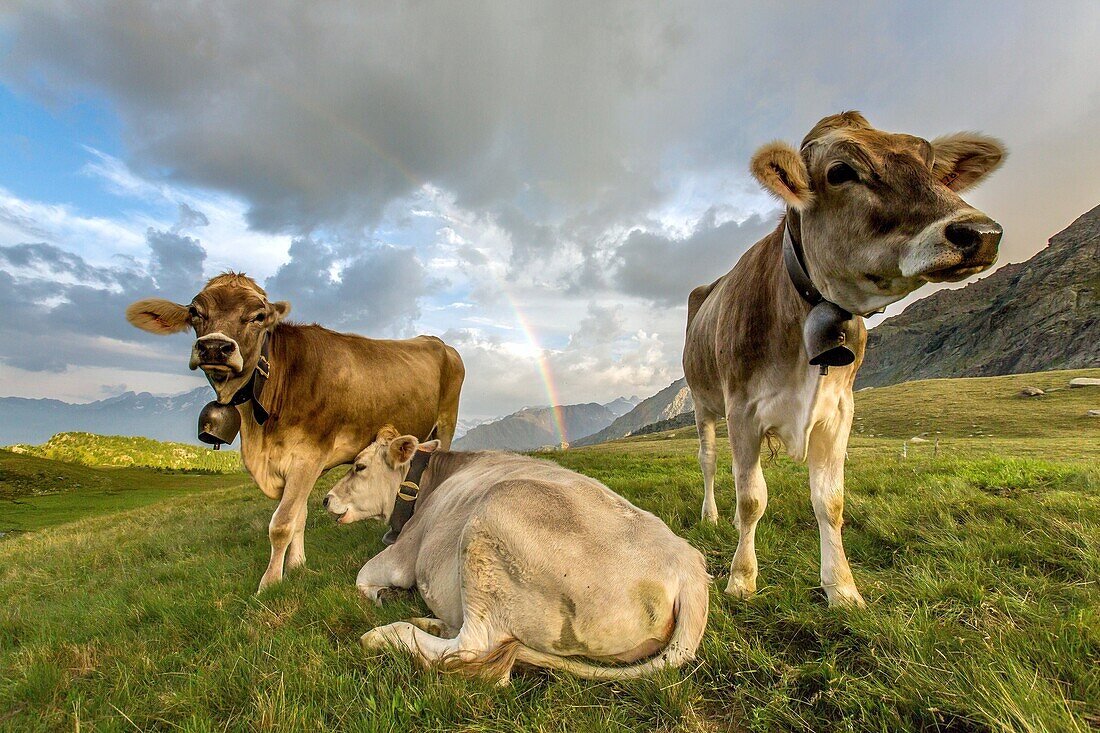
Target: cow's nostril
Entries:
(228, 348)
(324, 502)
(969, 236)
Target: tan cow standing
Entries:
(328, 393)
(525, 561)
(871, 216)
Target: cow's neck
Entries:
(280, 362)
(782, 311)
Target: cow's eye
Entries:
(841, 173)
(259, 317)
(360, 467)
(193, 312)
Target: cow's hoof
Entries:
(267, 582)
(374, 593)
(710, 517)
(381, 638)
(844, 597)
(741, 587)
(433, 626)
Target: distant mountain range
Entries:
(536, 427)
(671, 401)
(171, 418)
(1032, 316)
(135, 414)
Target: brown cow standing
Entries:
(327, 393)
(874, 215)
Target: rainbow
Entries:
(541, 362)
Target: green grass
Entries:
(123, 451)
(37, 493)
(981, 567)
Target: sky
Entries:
(539, 183)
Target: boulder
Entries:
(1084, 382)
(1031, 392)
(917, 439)
(1094, 413)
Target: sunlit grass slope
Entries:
(90, 449)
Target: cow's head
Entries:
(369, 488)
(880, 212)
(230, 318)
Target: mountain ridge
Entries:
(1036, 315)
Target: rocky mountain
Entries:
(137, 414)
(622, 405)
(1032, 316)
(671, 401)
(535, 427)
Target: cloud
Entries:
(422, 166)
(375, 290)
(664, 269)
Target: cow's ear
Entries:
(430, 447)
(781, 170)
(401, 449)
(962, 160)
(280, 309)
(157, 315)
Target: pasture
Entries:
(978, 552)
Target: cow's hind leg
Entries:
(828, 444)
(752, 499)
(284, 522)
(471, 651)
(433, 626)
(708, 459)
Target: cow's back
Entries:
(553, 528)
(334, 391)
(735, 332)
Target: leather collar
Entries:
(254, 387)
(405, 504)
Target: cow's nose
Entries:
(974, 236)
(324, 502)
(215, 348)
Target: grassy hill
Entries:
(91, 449)
(37, 492)
(981, 566)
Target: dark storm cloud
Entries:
(176, 263)
(664, 269)
(319, 116)
(376, 291)
(60, 310)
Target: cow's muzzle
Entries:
(216, 352)
(967, 247)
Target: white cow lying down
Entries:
(524, 561)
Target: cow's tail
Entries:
(696, 298)
(690, 609)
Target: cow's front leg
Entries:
(393, 567)
(284, 522)
(296, 553)
(828, 445)
(752, 499)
